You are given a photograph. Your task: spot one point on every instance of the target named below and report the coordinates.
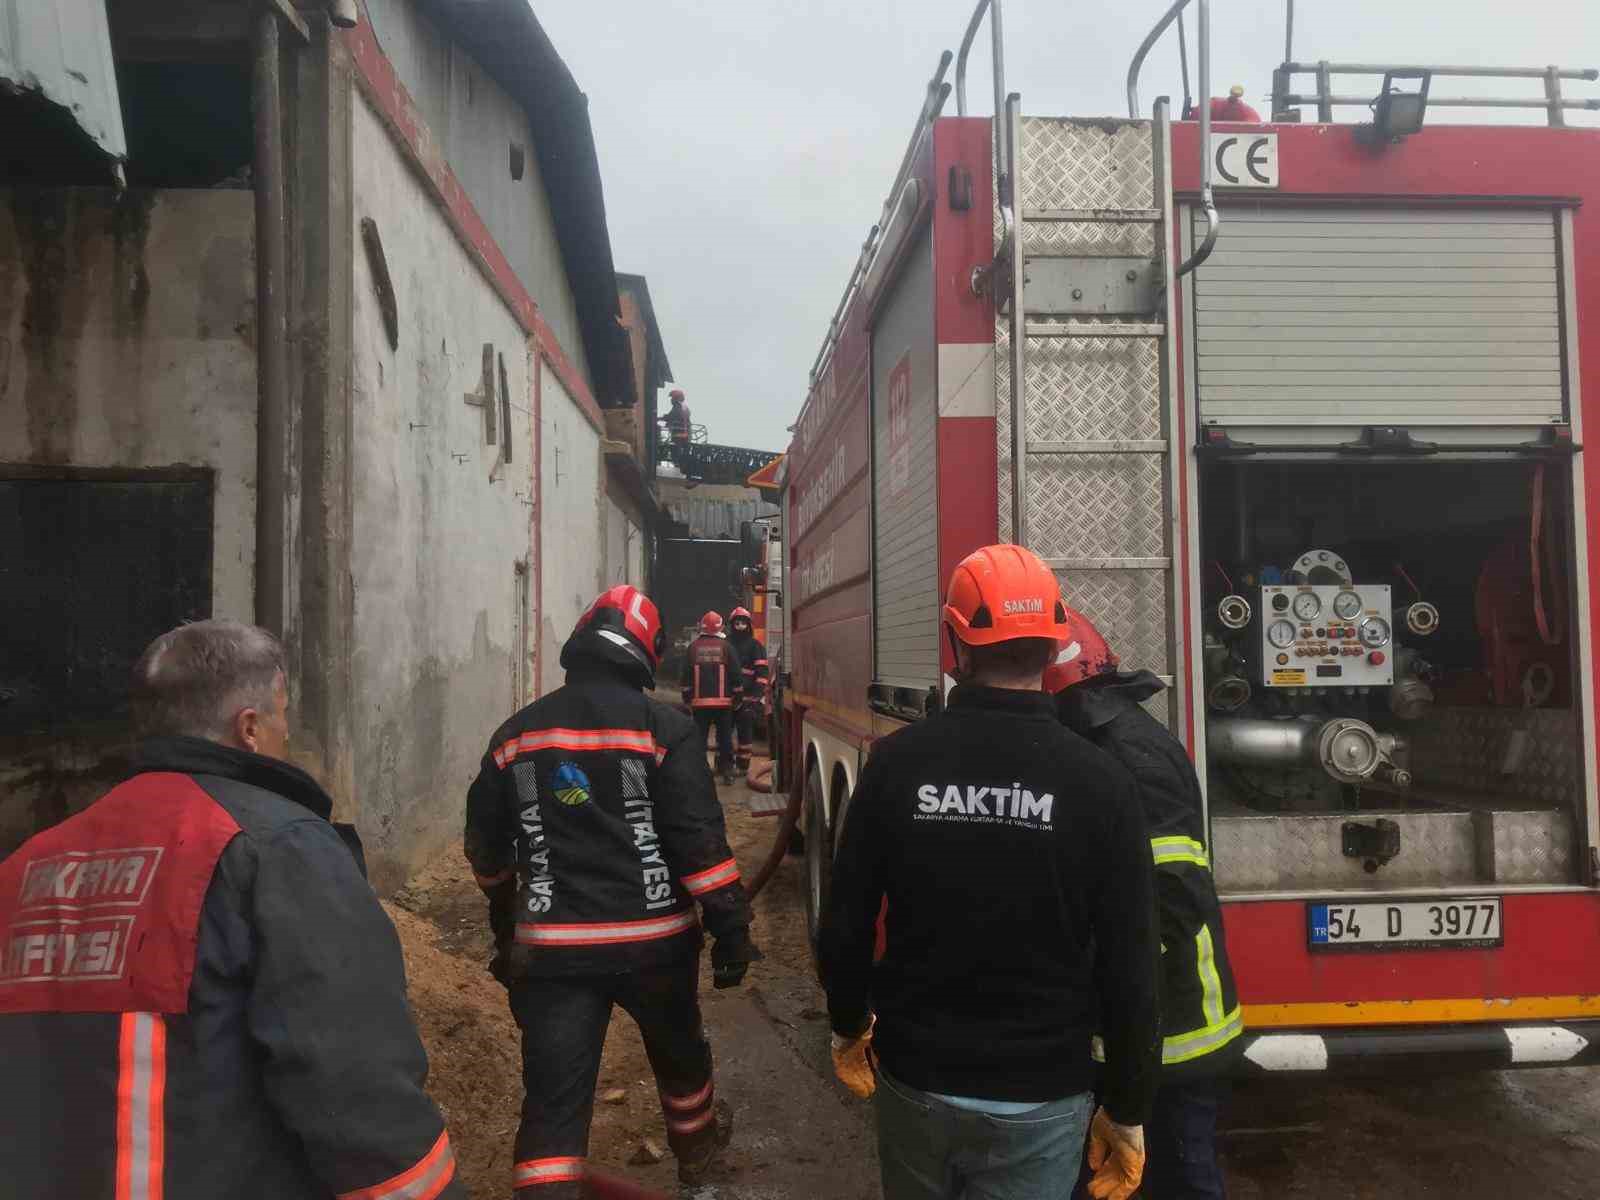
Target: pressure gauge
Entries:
(1374, 633)
(1307, 606)
(1281, 634)
(1347, 606)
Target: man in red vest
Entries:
(199, 994)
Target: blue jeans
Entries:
(930, 1150)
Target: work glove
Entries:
(1116, 1156)
(731, 957)
(854, 1064)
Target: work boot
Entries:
(698, 1161)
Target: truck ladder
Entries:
(1088, 449)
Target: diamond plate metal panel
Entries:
(1093, 389)
(1086, 164)
(1530, 757)
(1002, 423)
(1096, 506)
(1525, 847)
(1292, 851)
(1130, 607)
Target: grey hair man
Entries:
(195, 976)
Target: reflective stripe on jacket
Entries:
(713, 676)
(1200, 1013)
(598, 800)
(200, 996)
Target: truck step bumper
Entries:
(1420, 1049)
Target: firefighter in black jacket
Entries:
(1199, 1005)
(1017, 873)
(594, 828)
(713, 683)
(200, 996)
(753, 661)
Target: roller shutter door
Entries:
(905, 524)
(1328, 320)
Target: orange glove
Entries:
(1116, 1156)
(853, 1062)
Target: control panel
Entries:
(1326, 635)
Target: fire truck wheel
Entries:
(819, 858)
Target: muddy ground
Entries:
(799, 1137)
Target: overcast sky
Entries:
(746, 145)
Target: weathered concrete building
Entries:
(337, 360)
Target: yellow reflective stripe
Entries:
(1178, 850)
(1187, 1046)
(1210, 981)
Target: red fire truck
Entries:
(1294, 409)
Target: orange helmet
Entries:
(1083, 655)
(1001, 593)
(711, 623)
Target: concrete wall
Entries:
(440, 522)
(473, 118)
(624, 561)
(127, 334)
(571, 521)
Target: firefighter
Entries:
(1199, 1006)
(1017, 875)
(677, 421)
(753, 661)
(713, 685)
(199, 993)
(593, 827)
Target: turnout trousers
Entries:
(563, 1020)
(722, 720)
(745, 719)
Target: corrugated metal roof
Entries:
(61, 50)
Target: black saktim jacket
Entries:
(598, 801)
(200, 997)
(1200, 1017)
(1008, 849)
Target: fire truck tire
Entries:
(819, 854)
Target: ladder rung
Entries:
(1108, 564)
(1121, 446)
(1092, 329)
(1107, 216)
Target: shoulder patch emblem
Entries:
(570, 784)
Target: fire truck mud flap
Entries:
(1422, 1049)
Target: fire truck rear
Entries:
(1294, 408)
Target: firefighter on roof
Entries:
(594, 829)
(753, 660)
(1016, 869)
(200, 996)
(713, 684)
(1199, 1006)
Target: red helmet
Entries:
(711, 623)
(1001, 593)
(1083, 656)
(624, 615)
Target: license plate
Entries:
(1461, 921)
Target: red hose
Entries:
(1551, 633)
